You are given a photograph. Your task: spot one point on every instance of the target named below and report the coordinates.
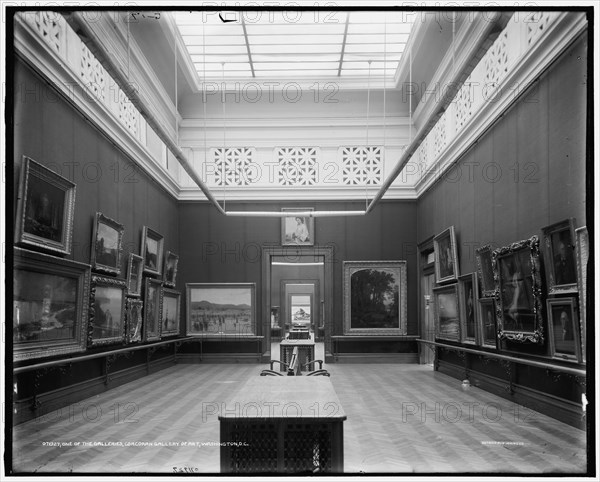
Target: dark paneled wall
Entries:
(50, 131)
(228, 249)
(526, 172)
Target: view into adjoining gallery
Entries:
(306, 241)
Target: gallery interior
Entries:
(299, 241)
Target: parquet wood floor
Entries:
(401, 419)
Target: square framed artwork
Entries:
(50, 305)
(485, 270)
(170, 312)
(107, 311)
(467, 292)
(375, 298)
(135, 320)
(171, 262)
(221, 309)
(563, 328)
(152, 251)
(107, 240)
(135, 267)
(487, 322)
(558, 242)
(518, 292)
(152, 309)
(583, 253)
(45, 209)
(297, 230)
(446, 257)
(447, 315)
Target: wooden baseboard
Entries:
(220, 358)
(566, 411)
(375, 358)
(59, 404)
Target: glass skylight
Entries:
(295, 44)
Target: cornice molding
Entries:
(555, 40)
(62, 79)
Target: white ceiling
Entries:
(295, 44)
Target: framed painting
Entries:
(170, 312)
(487, 320)
(171, 262)
(446, 315)
(45, 208)
(485, 270)
(559, 257)
(446, 258)
(107, 242)
(152, 309)
(135, 266)
(221, 309)
(152, 251)
(583, 253)
(563, 328)
(135, 320)
(375, 297)
(50, 305)
(467, 292)
(107, 311)
(297, 230)
(518, 292)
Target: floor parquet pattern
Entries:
(401, 419)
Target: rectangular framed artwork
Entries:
(50, 305)
(375, 297)
(446, 257)
(446, 315)
(107, 311)
(217, 309)
(107, 242)
(297, 230)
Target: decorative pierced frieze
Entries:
(362, 165)
(50, 26)
(536, 23)
(421, 155)
(128, 114)
(439, 136)
(297, 166)
(496, 61)
(93, 75)
(464, 104)
(234, 166)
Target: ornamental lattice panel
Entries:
(93, 75)
(50, 26)
(128, 114)
(439, 135)
(464, 104)
(496, 61)
(297, 166)
(537, 23)
(362, 165)
(234, 166)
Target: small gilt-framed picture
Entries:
(467, 292)
(170, 312)
(447, 318)
(297, 229)
(559, 257)
(152, 251)
(446, 257)
(485, 270)
(45, 208)
(107, 311)
(152, 309)
(107, 245)
(487, 320)
(134, 320)
(171, 262)
(563, 328)
(135, 266)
